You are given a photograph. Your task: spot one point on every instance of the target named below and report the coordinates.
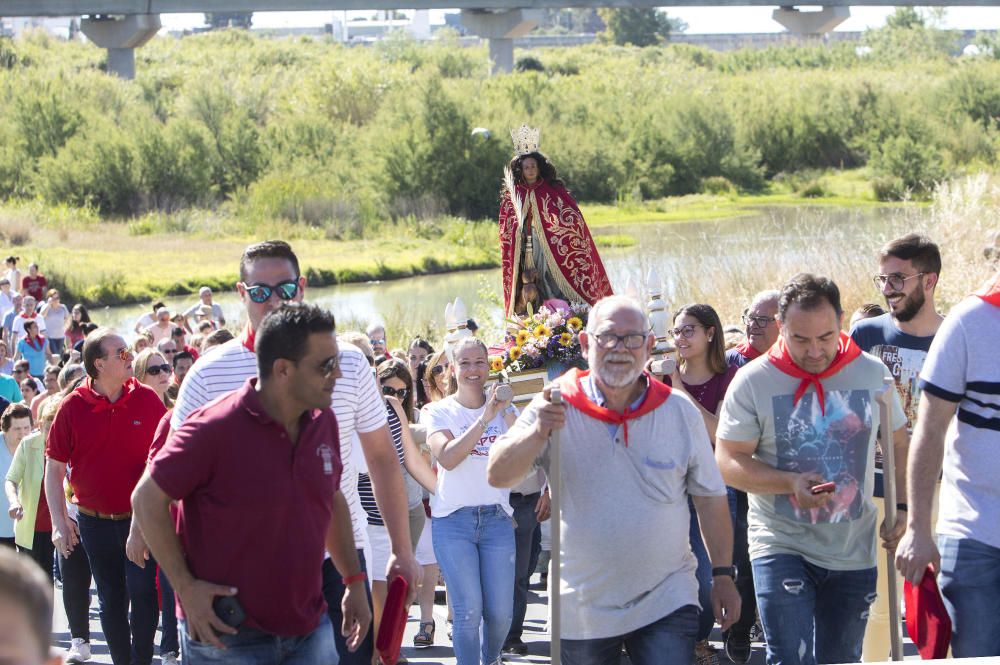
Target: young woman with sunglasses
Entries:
(152, 369)
(397, 391)
(702, 373)
(473, 527)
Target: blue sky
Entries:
(699, 19)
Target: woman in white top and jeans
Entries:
(473, 527)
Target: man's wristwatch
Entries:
(724, 571)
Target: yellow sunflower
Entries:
(522, 337)
(575, 324)
(542, 330)
(515, 352)
(496, 363)
(566, 339)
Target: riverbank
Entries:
(100, 262)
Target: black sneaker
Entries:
(737, 643)
(515, 647)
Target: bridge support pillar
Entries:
(501, 28)
(811, 23)
(121, 35)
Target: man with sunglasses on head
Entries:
(908, 271)
(103, 431)
(270, 276)
(632, 452)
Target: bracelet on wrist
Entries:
(903, 507)
(356, 577)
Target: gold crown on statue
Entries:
(525, 140)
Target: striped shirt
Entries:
(356, 403)
(963, 367)
(365, 481)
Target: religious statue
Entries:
(547, 252)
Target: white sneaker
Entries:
(79, 651)
(169, 658)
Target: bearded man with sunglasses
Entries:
(270, 276)
(103, 430)
(630, 447)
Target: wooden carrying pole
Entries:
(555, 577)
(884, 399)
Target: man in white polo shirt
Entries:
(633, 451)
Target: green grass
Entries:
(100, 262)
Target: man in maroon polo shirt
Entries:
(257, 476)
(102, 431)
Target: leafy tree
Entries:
(905, 18)
(639, 27)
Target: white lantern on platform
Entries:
(659, 317)
(456, 320)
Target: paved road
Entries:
(440, 654)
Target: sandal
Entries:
(425, 636)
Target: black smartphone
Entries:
(229, 610)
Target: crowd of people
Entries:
(254, 495)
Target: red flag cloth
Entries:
(927, 620)
(573, 259)
(847, 351)
(746, 350)
(249, 336)
(571, 390)
(990, 291)
(390, 631)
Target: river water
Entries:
(681, 252)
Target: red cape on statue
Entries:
(571, 254)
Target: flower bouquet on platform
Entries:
(546, 339)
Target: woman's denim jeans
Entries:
(475, 548)
(970, 584)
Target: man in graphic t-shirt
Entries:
(908, 272)
(797, 432)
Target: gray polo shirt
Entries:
(626, 555)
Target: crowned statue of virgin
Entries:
(547, 252)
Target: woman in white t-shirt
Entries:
(473, 527)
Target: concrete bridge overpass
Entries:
(121, 26)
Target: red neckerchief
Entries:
(990, 291)
(41, 341)
(656, 394)
(747, 351)
(248, 338)
(847, 351)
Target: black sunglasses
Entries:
(262, 292)
(438, 369)
(153, 370)
(401, 393)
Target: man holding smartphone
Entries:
(797, 434)
(266, 453)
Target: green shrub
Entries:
(916, 164)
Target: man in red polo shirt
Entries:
(264, 456)
(103, 430)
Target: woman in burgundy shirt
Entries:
(702, 373)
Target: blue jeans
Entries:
(56, 345)
(119, 584)
(810, 614)
(706, 617)
(250, 646)
(970, 584)
(738, 509)
(168, 638)
(669, 640)
(474, 547)
(76, 592)
(527, 545)
(333, 593)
